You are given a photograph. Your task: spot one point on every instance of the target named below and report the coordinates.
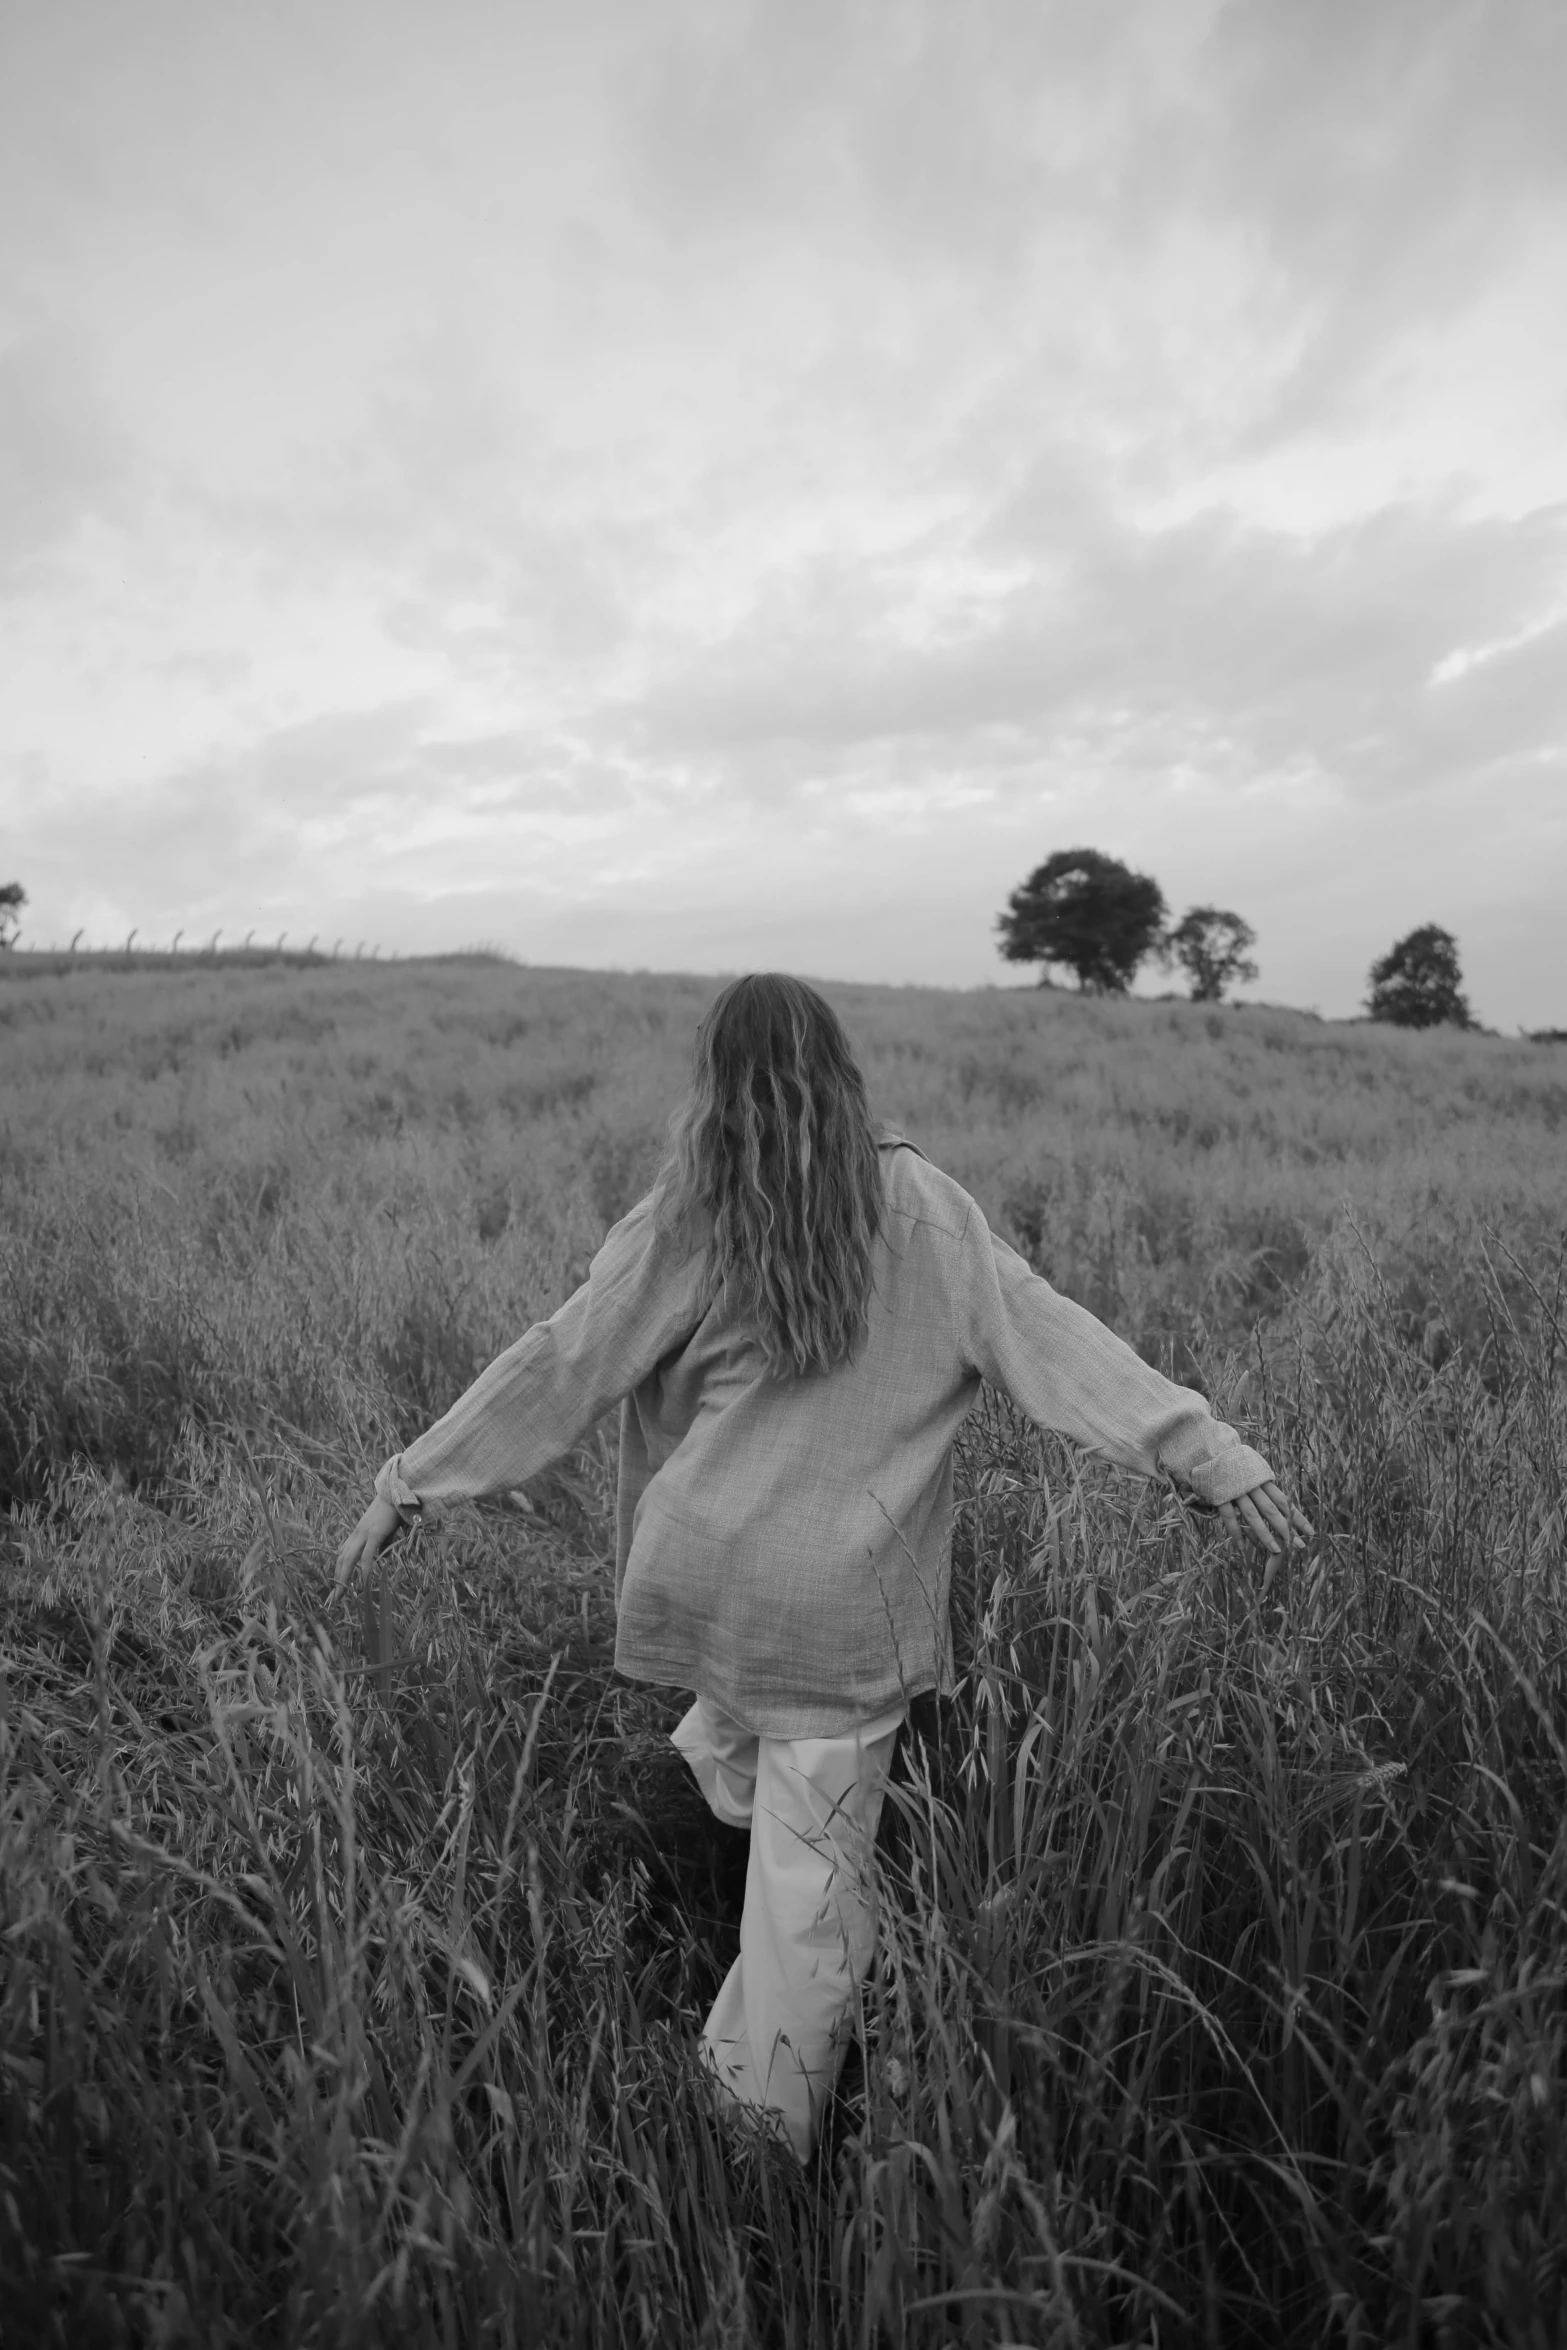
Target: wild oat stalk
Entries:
(351, 1951)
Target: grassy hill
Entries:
(351, 1947)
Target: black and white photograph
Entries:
(783, 1174)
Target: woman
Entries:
(795, 1322)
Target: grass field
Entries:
(351, 1947)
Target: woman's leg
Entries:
(722, 1758)
(780, 2026)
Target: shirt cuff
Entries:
(390, 1486)
(1237, 1471)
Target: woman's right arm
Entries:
(1069, 1373)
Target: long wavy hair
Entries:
(774, 1142)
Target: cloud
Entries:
(328, 809)
(1256, 650)
(62, 458)
(686, 460)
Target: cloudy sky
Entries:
(702, 484)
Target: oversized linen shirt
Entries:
(785, 1546)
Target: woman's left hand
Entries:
(369, 1538)
(1269, 1518)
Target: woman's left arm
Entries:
(539, 1398)
(381, 1521)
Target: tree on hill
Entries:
(1087, 912)
(1417, 983)
(1210, 946)
(12, 898)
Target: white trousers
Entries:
(781, 2025)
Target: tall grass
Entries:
(352, 1946)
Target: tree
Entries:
(1088, 912)
(1417, 983)
(1210, 946)
(12, 898)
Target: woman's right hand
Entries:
(369, 1538)
(1267, 1516)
